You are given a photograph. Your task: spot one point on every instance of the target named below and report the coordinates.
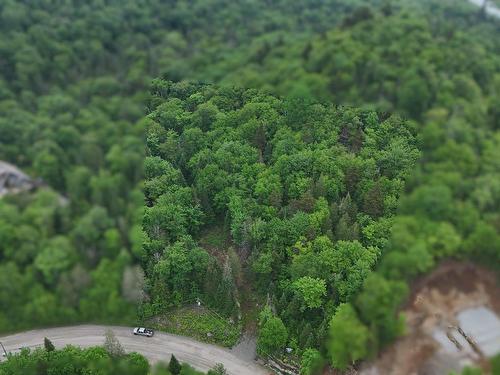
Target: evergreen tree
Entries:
(174, 366)
(304, 335)
(48, 345)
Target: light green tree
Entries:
(311, 362)
(348, 339)
(312, 291)
(57, 256)
(272, 336)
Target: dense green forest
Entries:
(440, 72)
(74, 77)
(306, 190)
(74, 81)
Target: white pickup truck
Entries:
(140, 331)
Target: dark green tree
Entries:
(174, 366)
(48, 345)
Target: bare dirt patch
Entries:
(434, 303)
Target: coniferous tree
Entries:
(174, 366)
(48, 345)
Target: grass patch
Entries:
(199, 323)
(214, 238)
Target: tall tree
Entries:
(349, 338)
(174, 366)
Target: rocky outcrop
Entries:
(12, 180)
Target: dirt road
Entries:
(158, 348)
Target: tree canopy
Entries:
(297, 183)
(314, 196)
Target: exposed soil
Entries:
(434, 301)
(465, 277)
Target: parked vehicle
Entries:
(141, 331)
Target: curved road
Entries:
(157, 348)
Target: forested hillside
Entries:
(74, 77)
(306, 190)
(438, 70)
(294, 181)
(441, 71)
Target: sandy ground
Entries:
(157, 348)
(435, 301)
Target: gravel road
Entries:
(157, 348)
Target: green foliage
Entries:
(112, 345)
(272, 336)
(174, 366)
(397, 61)
(200, 323)
(56, 257)
(95, 360)
(296, 181)
(161, 369)
(495, 365)
(378, 304)
(74, 361)
(188, 370)
(469, 371)
(306, 190)
(219, 369)
(311, 363)
(311, 290)
(180, 270)
(483, 243)
(349, 338)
